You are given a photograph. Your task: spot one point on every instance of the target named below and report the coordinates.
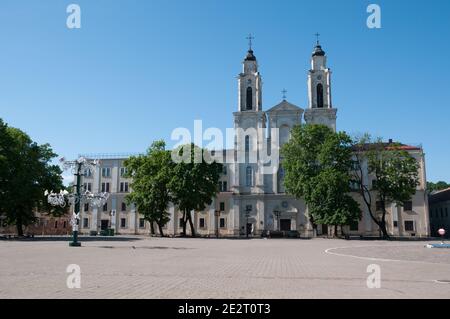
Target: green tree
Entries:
(194, 182)
(395, 172)
(317, 163)
(25, 173)
(431, 187)
(151, 175)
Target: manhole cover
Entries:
(443, 281)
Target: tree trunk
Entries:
(335, 231)
(19, 226)
(184, 222)
(152, 228)
(383, 229)
(342, 231)
(160, 230)
(383, 221)
(191, 224)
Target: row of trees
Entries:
(26, 171)
(158, 181)
(321, 166)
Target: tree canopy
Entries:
(26, 172)
(194, 182)
(395, 173)
(317, 162)
(151, 175)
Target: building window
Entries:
(407, 206)
(247, 144)
(105, 207)
(409, 225)
(354, 226)
(180, 222)
(224, 170)
(374, 184)
(124, 206)
(201, 222)
(355, 166)
(319, 95)
(87, 187)
(379, 206)
(123, 171)
(249, 176)
(222, 206)
(223, 186)
(85, 223)
(86, 207)
(141, 223)
(354, 186)
(64, 224)
(222, 223)
(249, 98)
(56, 224)
(106, 171)
(395, 224)
(124, 187)
(87, 173)
(105, 187)
(123, 222)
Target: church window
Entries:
(407, 206)
(249, 98)
(319, 95)
(249, 176)
(409, 225)
(247, 144)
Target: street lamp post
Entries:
(64, 197)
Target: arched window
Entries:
(249, 98)
(319, 95)
(249, 176)
(124, 206)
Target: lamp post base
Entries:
(75, 242)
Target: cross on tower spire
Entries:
(284, 94)
(317, 36)
(250, 38)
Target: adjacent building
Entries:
(439, 212)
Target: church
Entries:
(252, 202)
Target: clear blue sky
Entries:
(138, 69)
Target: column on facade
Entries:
(236, 216)
(133, 219)
(94, 220)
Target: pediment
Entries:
(285, 106)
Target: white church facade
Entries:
(252, 202)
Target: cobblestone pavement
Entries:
(209, 268)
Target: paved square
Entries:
(224, 268)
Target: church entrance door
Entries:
(285, 224)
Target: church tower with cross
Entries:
(320, 108)
(250, 84)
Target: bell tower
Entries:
(320, 108)
(250, 84)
